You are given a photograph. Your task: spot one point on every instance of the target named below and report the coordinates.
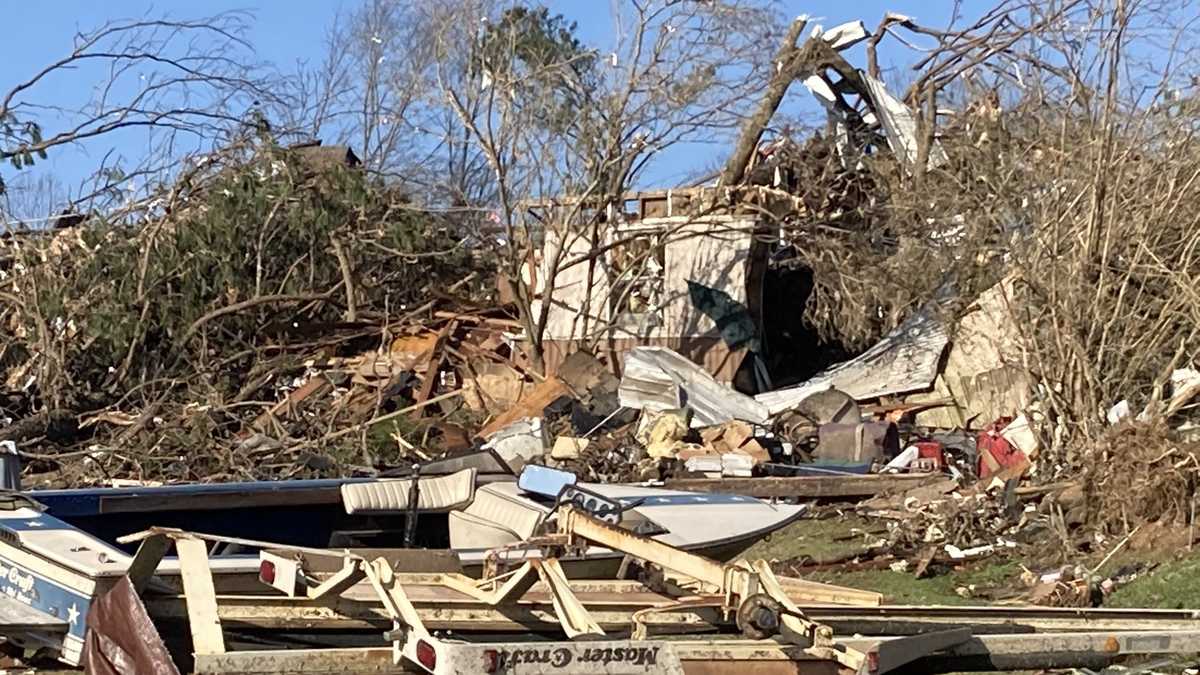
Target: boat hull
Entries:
(57, 593)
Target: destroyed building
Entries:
(664, 278)
(687, 408)
(697, 270)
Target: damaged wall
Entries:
(983, 371)
(973, 374)
(650, 301)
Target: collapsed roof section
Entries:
(862, 113)
(859, 106)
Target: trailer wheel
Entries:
(758, 616)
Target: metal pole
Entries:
(414, 500)
(10, 467)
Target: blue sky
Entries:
(285, 32)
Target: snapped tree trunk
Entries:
(787, 67)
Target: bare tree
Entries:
(553, 116)
(375, 90)
(1069, 171)
(176, 77)
(32, 200)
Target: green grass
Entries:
(819, 540)
(822, 540)
(1174, 585)
(901, 588)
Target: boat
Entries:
(59, 548)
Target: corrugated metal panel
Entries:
(658, 379)
(711, 353)
(904, 360)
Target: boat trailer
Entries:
(691, 615)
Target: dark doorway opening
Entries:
(794, 350)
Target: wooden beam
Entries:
(205, 623)
(531, 405)
(433, 363)
(807, 487)
(149, 554)
(316, 385)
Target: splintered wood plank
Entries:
(433, 364)
(807, 486)
(201, 597)
(531, 405)
(317, 385)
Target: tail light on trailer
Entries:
(266, 571)
(426, 655)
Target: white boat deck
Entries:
(691, 520)
(74, 549)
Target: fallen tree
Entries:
(151, 337)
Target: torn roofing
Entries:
(660, 379)
(899, 125)
(905, 360)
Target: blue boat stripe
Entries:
(32, 589)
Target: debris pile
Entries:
(1144, 474)
(260, 319)
(272, 318)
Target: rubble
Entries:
(657, 378)
(520, 442)
(657, 364)
(906, 360)
(857, 444)
(996, 451)
(566, 447)
(662, 432)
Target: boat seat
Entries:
(440, 493)
(496, 517)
